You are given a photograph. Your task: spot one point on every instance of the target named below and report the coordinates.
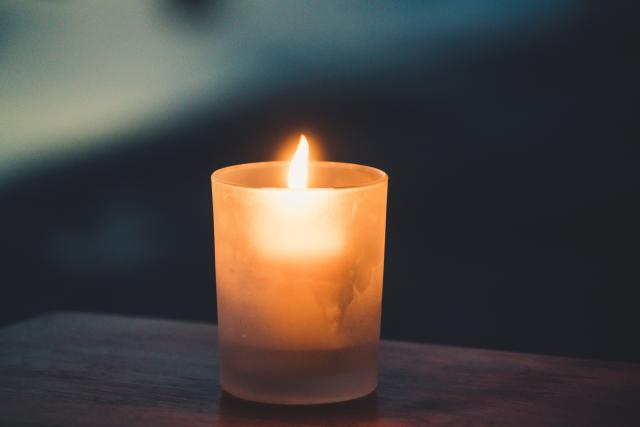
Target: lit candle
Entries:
(299, 254)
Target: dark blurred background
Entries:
(508, 129)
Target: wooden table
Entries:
(83, 369)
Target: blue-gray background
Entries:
(509, 131)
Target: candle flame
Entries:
(298, 169)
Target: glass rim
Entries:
(381, 176)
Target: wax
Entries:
(299, 280)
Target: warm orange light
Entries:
(298, 169)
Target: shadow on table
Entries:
(356, 411)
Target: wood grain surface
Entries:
(72, 369)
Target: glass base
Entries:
(298, 377)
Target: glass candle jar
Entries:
(299, 281)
